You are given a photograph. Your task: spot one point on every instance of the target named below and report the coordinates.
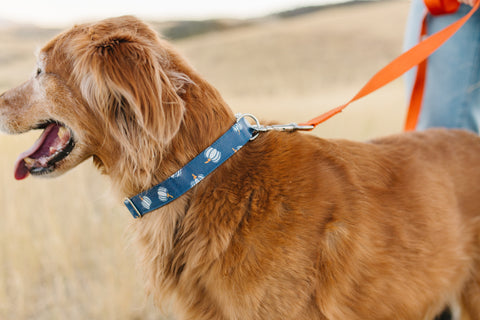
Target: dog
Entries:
(292, 226)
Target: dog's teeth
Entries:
(53, 150)
(62, 131)
(29, 161)
(42, 162)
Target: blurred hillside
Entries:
(294, 69)
(179, 29)
(175, 30)
(310, 59)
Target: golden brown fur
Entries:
(292, 226)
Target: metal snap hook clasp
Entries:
(277, 127)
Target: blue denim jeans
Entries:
(452, 88)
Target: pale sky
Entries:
(64, 12)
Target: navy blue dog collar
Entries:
(192, 173)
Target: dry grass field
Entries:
(64, 250)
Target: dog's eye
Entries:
(39, 70)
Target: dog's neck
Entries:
(206, 117)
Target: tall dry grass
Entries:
(63, 247)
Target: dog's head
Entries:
(107, 89)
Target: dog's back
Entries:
(419, 200)
(338, 229)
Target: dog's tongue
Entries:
(41, 149)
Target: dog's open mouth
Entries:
(55, 143)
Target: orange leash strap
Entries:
(416, 97)
(399, 66)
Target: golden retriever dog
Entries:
(292, 226)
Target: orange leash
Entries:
(438, 7)
(409, 59)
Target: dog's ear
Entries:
(122, 74)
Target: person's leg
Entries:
(452, 89)
(412, 36)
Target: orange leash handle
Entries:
(437, 7)
(399, 66)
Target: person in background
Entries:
(452, 88)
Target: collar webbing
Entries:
(193, 172)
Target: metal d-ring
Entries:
(256, 127)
